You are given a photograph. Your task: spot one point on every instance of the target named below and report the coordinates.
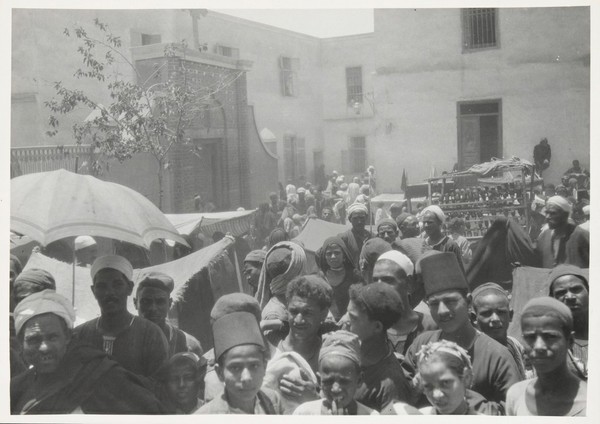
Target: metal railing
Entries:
(28, 160)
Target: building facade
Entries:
(428, 89)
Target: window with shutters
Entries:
(294, 157)
(354, 88)
(480, 29)
(151, 39)
(288, 67)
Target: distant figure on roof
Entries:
(541, 155)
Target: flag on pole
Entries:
(404, 182)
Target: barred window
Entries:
(480, 29)
(227, 51)
(354, 85)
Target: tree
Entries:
(148, 115)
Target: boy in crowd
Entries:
(241, 356)
(340, 375)
(372, 310)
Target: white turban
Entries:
(560, 202)
(401, 259)
(82, 242)
(357, 207)
(436, 210)
(114, 262)
(586, 210)
(44, 302)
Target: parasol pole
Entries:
(73, 285)
(237, 270)
(370, 210)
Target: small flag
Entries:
(404, 182)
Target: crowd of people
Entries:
(390, 324)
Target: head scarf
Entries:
(487, 287)
(276, 236)
(559, 202)
(445, 346)
(38, 277)
(256, 256)
(320, 254)
(43, 302)
(116, 262)
(357, 207)
(566, 269)
(399, 258)
(371, 250)
(341, 343)
(268, 286)
(546, 305)
(436, 210)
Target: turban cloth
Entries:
(290, 189)
(37, 277)
(271, 284)
(341, 343)
(560, 202)
(488, 287)
(399, 258)
(441, 271)
(301, 190)
(357, 207)
(361, 199)
(43, 302)
(156, 280)
(82, 242)
(236, 329)
(401, 218)
(116, 262)
(387, 221)
(546, 305)
(437, 211)
(235, 302)
(566, 269)
(586, 210)
(256, 256)
(371, 250)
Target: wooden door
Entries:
(469, 143)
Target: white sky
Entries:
(316, 22)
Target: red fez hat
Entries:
(441, 272)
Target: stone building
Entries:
(429, 88)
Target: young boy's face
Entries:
(340, 378)
(242, 369)
(182, 385)
(493, 315)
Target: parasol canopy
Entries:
(50, 206)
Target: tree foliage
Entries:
(149, 114)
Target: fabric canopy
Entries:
(235, 222)
(316, 231)
(181, 270)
